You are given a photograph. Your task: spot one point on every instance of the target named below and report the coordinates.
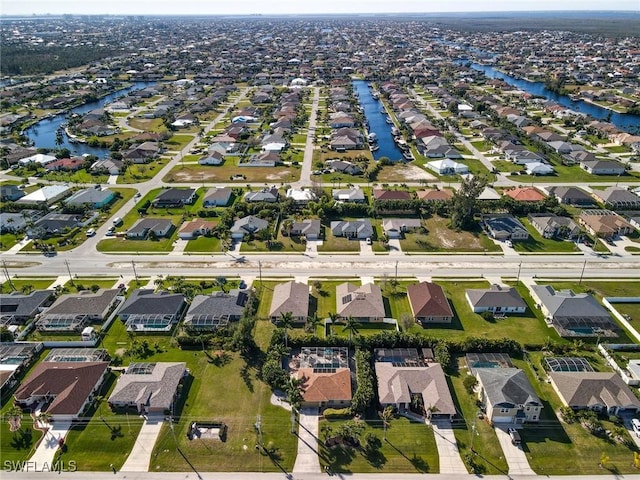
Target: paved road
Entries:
(307, 163)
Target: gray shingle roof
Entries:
(218, 304)
(586, 389)
(290, 297)
(146, 302)
(507, 386)
(565, 303)
(83, 303)
(496, 296)
(20, 305)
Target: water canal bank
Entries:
(377, 123)
(43, 133)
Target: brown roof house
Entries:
(604, 223)
(399, 384)
(290, 297)
(364, 303)
(325, 375)
(525, 194)
(67, 387)
(604, 392)
(429, 303)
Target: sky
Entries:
(213, 7)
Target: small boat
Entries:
(376, 95)
(389, 121)
(372, 137)
(374, 147)
(408, 156)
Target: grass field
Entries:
(223, 173)
(536, 243)
(411, 448)
(331, 243)
(440, 238)
(35, 283)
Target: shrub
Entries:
(470, 383)
(337, 413)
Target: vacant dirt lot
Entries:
(203, 173)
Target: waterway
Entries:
(377, 123)
(43, 133)
(626, 122)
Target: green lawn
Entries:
(90, 281)
(526, 327)
(440, 238)
(489, 456)
(548, 446)
(19, 445)
(121, 244)
(245, 397)
(178, 142)
(331, 243)
(411, 448)
(79, 176)
(203, 244)
(142, 172)
(8, 240)
(536, 243)
(36, 284)
(106, 438)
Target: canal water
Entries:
(626, 122)
(43, 133)
(377, 123)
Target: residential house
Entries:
(507, 396)
(195, 228)
(174, 197)
(39, 158)
(212, 158)
(447, 167)
(399, 384)
(53, 224)
(352, 194)
(604, 392)
(322, 386)
(65, 165)
(217, 197)
(301, 196)
(343, 166)
(384, 194)
(74, 311)
(603, 167)
(248, 225)
(525, 194)
(571, 195)
(496, 299)
(17, 308)
(538, 168)
(143, 228)
(109, 166)
(553, 226)
(310, 229)
(290, 297)
(435, 195)
(604, 223)
(143, 153)
(429, 303)
(10, 193)
(12, 222)
(46, 195)
(146, 310)
(269, 195)
(504, 227)
(364, 303)
(208, 312)
(94, 197)
(617, 198)
(573, 314)
(65, 389)
(354, 229)
(397, 227)
(149, 387)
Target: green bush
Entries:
(337, 413)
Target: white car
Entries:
(91, 232)
(509, 243)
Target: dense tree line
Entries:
(31, 60)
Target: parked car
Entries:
(369, 241)
(515, 436)
(635, 423)
(91, 232)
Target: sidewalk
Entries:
(48, 446)
(307, 458)
(450, 461)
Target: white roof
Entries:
(40, 158)
(301, 195)
(489, 194)
(45, 194)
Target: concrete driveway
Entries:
(307, 458)
(48, 446)
(513, 454)
(448, 453)
(140, 456)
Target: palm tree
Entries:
(351, 325)
(44, 418)
(335, 319)
(312, 323)
(386, 415)
(294, 392)
(286, 322)
(431, 410)
(15, 418)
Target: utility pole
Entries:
(260, 272)
(6, 274)
(258, 426)
(396, 271)
(133, 265)
(519, 268)
(66, 262)
(584, 265)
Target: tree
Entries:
(44, 418)
(386, 415)
(15, 418)
(351, 325)
(312, 323)
(464, 203)
(470, 383)
(294, 390)
(286, 322)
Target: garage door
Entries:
(499, 419)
